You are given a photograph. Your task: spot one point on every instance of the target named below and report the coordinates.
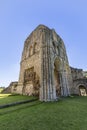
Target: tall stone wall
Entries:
(44, 67)
(57, 78)
(31, 58)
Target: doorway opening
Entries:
(57, 77)
(82, 90)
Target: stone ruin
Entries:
(45, 70)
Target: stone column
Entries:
(47, 90)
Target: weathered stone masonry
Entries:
(44, 67)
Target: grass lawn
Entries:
(9, 98)
(66, 114)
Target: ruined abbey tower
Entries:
(44, 67)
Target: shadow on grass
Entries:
(17, 103)
(20, 107)
(8, 110)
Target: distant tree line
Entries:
(1, 88)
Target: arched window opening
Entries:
(53, 44)
(82, 90)
(31, 51)
(35, 47)
(54, 47)
(57, 77)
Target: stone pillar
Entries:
(47, 90)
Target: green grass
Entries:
(66, 114)
(9, 98)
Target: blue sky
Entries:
(18, 18)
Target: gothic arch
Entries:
(82, 90)
(61, 43)
(57, 76)
(31, 51)
(54, 47)
(35, 47)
